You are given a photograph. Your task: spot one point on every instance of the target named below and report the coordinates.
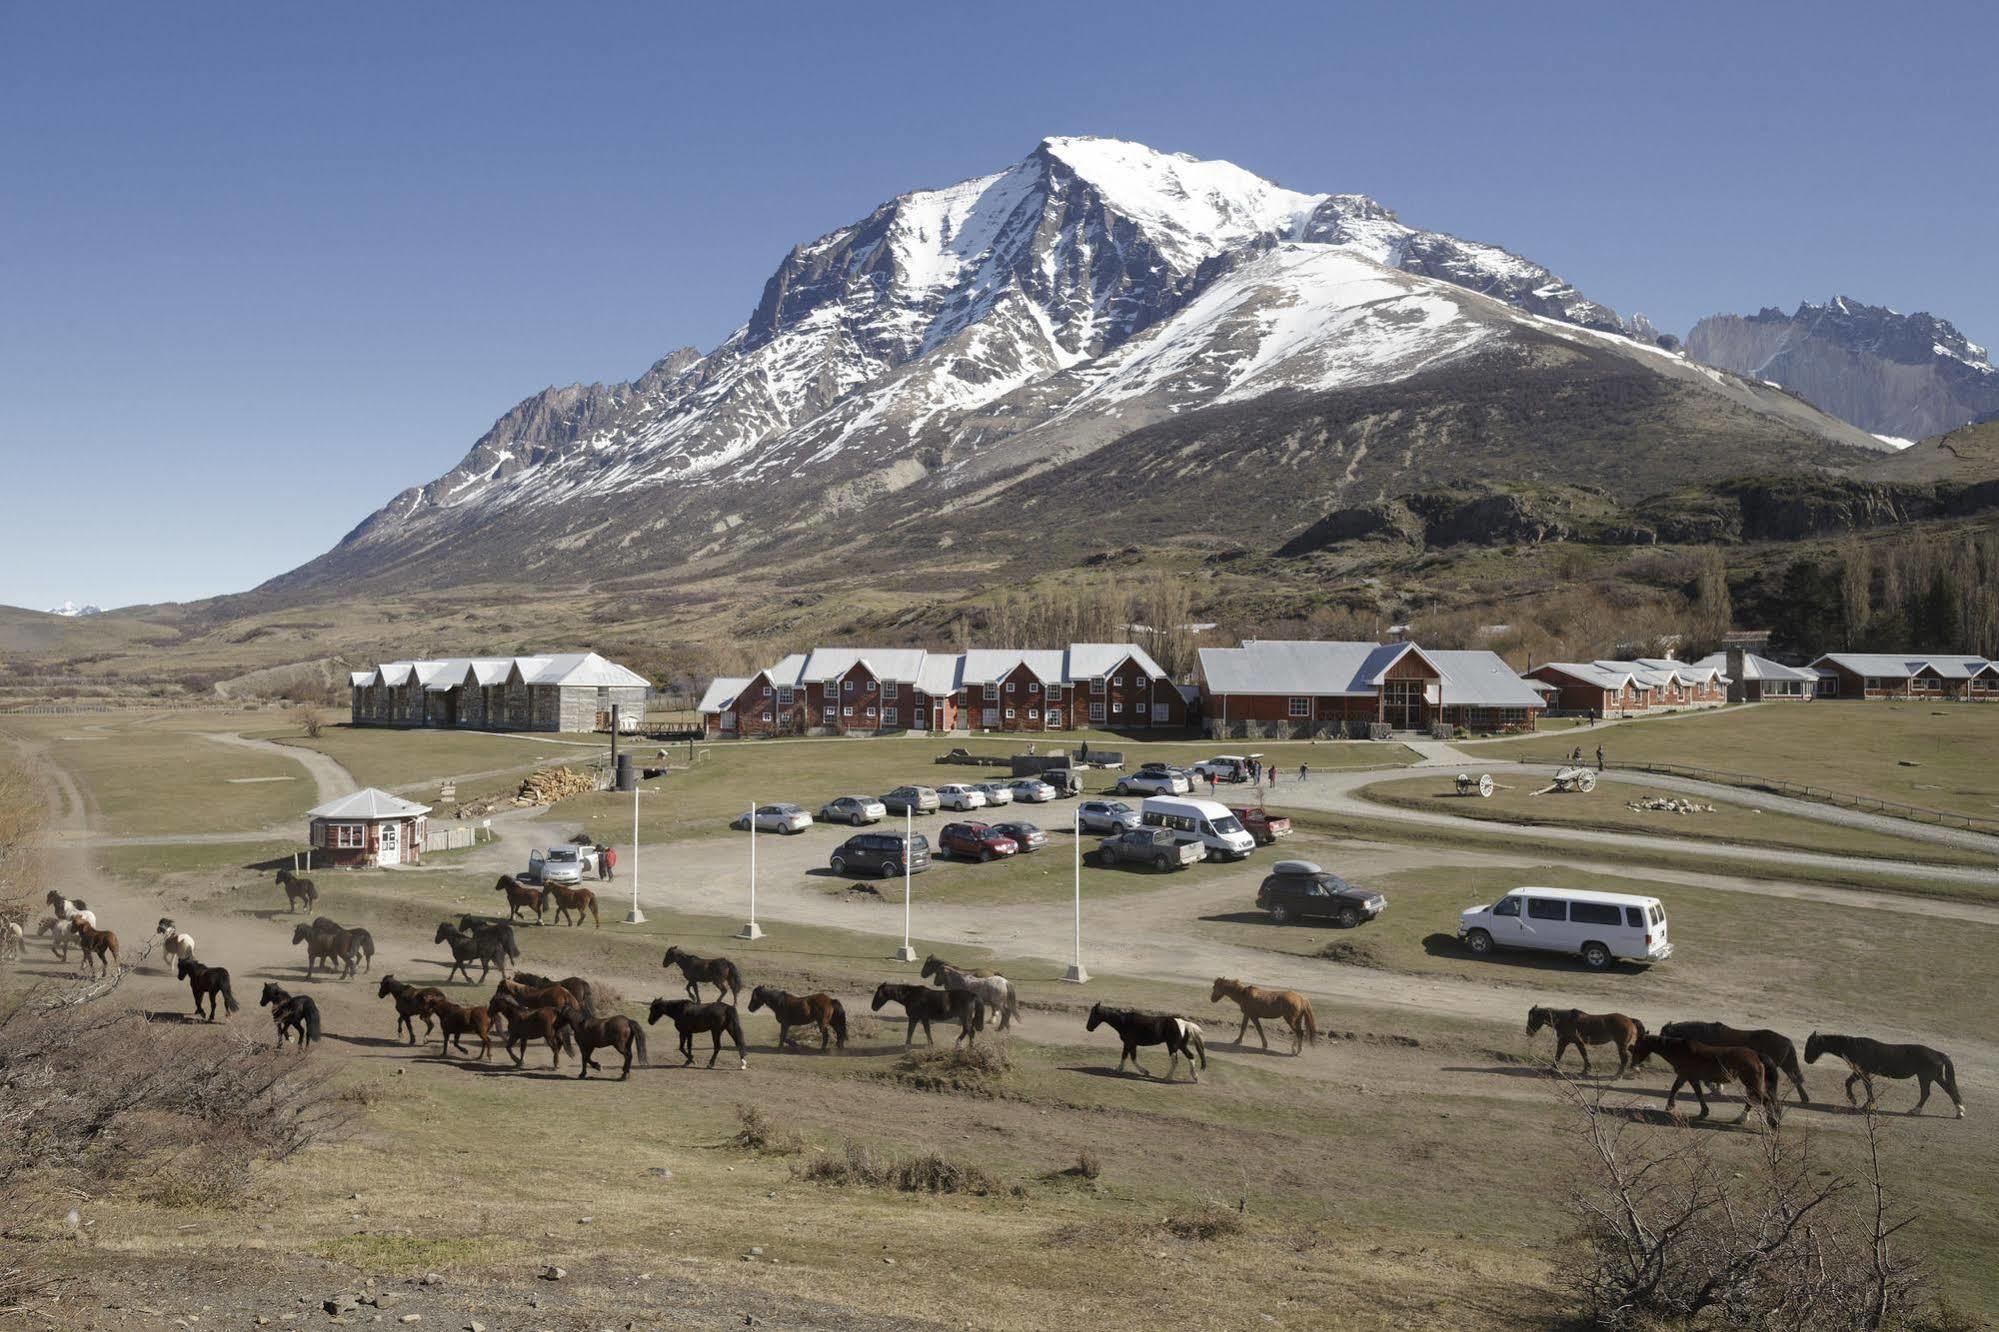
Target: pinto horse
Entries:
(329, 943)
(923, 1005)
(1695, 1062)
(100, 947)
(803, 1010)
(411, 1003)
(488, 950)
(526, 1024)
(290, 1012)
(207, 982)
(993, 990)
(719, 972)
(456, 1021)
(578, 900)
(1258, 1003)
(300, 895)
(67, 907)
(1775, 1044)
(689, 1018)
(1870, 1059)
(1582, 1030)
(60, 932)
(178, 942)
(521, 897)
(617, 1032)
(576, 985)
(1177, 1034)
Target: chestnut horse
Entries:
(1582, 1030)
(411, 1003)
(207, 982)
(578, 900)
(300, 895)
(618, 1033)
(521, 897)
(456, 1021)
(557, 997)
(100, 947)
(576, 985)
(1694, 1063)
(803, 1010)
(526, 1024)
(1258, 1003)
(1869, 1059)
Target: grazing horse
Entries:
(207, 982)
(617, 1032)
(326, 942)
(100, 947)
(526, 1024)
(521, 897)
(717, 1019)
(1774, 1044)
(923, 1005)
(300, 895)
(488, 950)
(290, 1013)
(1258, 1003)
(178, 942)
(993, 990)
(1695, 1062)
(1582, 1030)
(1870, 1059)
(455, 1021)
(578, 900)
(719, 972)
(557, 997)
(576, 985)
(1177, 1034)
(803, 1010)
(411, 1003)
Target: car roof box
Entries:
(1295, 867)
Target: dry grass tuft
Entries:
(757, 1134)
(966, 1070)
(1352, 952)
(860, 1166)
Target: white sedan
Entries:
(1032, 791)
(1154, 782)
(957, 795)
(775, 818)
(996, 793)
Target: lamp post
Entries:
(752, 930)
(1075, 973)
(635, 916)
(907, 953)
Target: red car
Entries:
(1261, 824)
(974, 841)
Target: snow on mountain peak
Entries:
(1195, 205)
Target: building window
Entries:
(1301, 707)
(871, 711)
(891, 716)
(347, 836)
(1096, 712)
(766, 716)
(992, 689)
(1009, 686)
(1033, 686)
(1118, 681)
(829, 713)
(784, 696)
(989, 716)
(1009, 714)
(1097, 684)
(1160, 712)
(1034, 714)
(1054, 719)
(846, 712)
(766, 691)
(1117, 707)
(846, 686)
(889, 689)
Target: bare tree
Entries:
(310, 719)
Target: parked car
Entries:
(1066, 781)
(1300, 890)
(957, 795)
(1261, 824)
(1204, 821)
(1225, 767)
(1597, 927)
(974, 841)
(996, 793)
(1032, 791)
(774, 818)
(1148, 846)
(911, 800)
(1106, 816)
(881, 853)
(1154, 781)
(1025, 835)
(565, 864)
(854, 809)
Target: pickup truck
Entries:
(1156, 847)
(1261, 824)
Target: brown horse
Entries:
(1258, 1003)
(1582, 1030)
(300, 895)
(803, 1010)
(207, 983)
(923, 1005)
(617, 1032)
(526, 1024)
(411, 1003)
(719, 972)
(556, 997)
(578, 900)
(100, 947)
(456, 1021)
(521, 897)
(1694, 1063)
(576, 985)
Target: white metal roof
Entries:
(1756, 668)
(721, 693)
(368, 803)
(898, 664)
(1903, 666)
(1592, 673)
(579, 669)
(1479, 679)
(1088, 660)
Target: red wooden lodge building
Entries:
(1284, 688)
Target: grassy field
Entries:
(391, 759)
(1930, 754)
(1607, 808)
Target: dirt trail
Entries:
(327, 774)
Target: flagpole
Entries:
(907, 953)
(752, 930)
(635, 916)
(1076, 974)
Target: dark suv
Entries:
(884, 854)
(974, 841)
(1300, 890)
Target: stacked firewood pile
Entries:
(543, 786)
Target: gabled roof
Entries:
(986, 665)
(899, 664)
(360, 679)
(1592, 673)
(1904, 666)
(1479, 679)
(1688, 672)
(1758, 668)
(1474, 678)
(942, 673)
(579, 669)
(585, 669)
(1086, 661)
(368, 803)
(721, 693)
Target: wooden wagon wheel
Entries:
(1586, 781)
(1485, 787)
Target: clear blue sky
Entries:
(262, 266)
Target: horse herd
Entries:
(1705, 1055)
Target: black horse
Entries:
(489, 950)
(291, 1012)
(300, 895)
(328, 941)
(1774, 1045)
(923, 1005)
(1871, 1059)
(618, 1032)
(719, 972)
(717, 1019)
(499, 929)
(207, 983)
(1177, 1034)
(576, 985)
(412, 1003)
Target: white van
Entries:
(1205, 821)
(1596, 927)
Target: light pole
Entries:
(1075, 973)
(635, 916)
(752, 930)
(907, 953)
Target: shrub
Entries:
(1087, 1164)
(970, 1070)
(861, 1166)
(757, 1134)
(1210, 1222)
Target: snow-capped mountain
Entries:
(70, 608)
(957, 338)
(1905, 377)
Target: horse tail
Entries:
(590, 900)
(221, 975)
(311, 1021)
(639, 1042)
(1640, 1026)
(1194, 1040)
(735, 1028)
(1947, 1075)
(732, 976)
(367, 943)
(1310, 1021)
(840, 1024)
(1012, 1013)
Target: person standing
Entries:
(607, 864)
(1599, 758)
(1303, 772)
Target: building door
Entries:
(1402, 704)
(389, 851)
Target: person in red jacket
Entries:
(607, 863)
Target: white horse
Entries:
(13, 941)
(995, 992)
(61, 934)
(179, 943)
